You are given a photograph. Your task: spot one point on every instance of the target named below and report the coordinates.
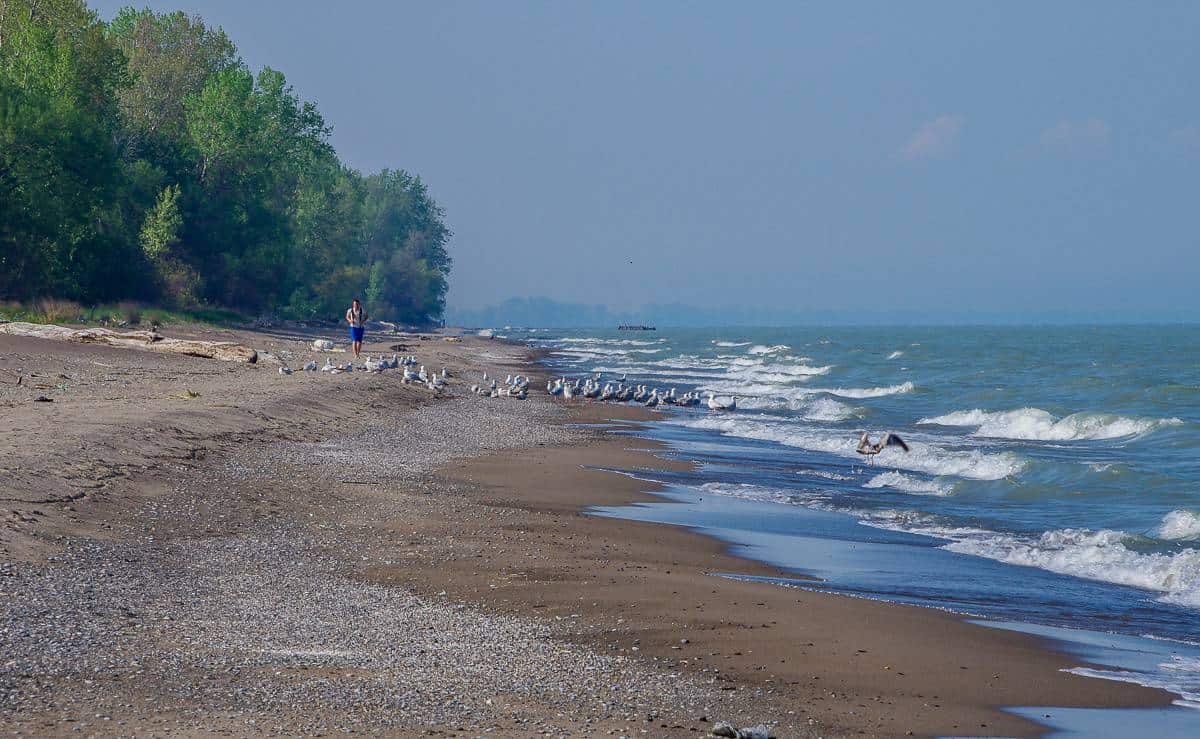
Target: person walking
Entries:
(357, 318)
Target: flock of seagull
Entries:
(517, 386)
(595, 388)
(434, 381)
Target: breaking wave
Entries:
(1038, 425)
(927, 458)
(763, 349)
(1102, 555)
(1179, 525)
(909, 484)
(867, 392)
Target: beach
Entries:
(193, 546)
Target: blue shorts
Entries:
(356, 333)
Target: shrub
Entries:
(53, 310)
(129, 312)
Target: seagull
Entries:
(328, 365)
(285, 370)
(311, 366)
(720, 405)
(869, 449)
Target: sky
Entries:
(1009, 158)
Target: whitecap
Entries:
(731, 343)
(764, 349)
(923, 457)
(1039, 425)
(867, 392)
(828, 409)
(1179, 525)
(909, 484)
(1095, 555)
(896, 354)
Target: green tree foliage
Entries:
(143, 159)
(161, 229)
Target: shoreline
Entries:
(497, 531)
(886, 679)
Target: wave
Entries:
(825, 410)
(1039, 425)
(731, 343)
(763, 349)
(909, 484)
(896, 354)
(1104, 555)
(1179, 525)
(747, 491)
(927, 458)
(867, 392)
(824, 474)
(609, 342)
(1096, 555)
(1179, 676)
(828, 409)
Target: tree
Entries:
(404, 230)
(143, 159)
(170, 57)
(61, 231)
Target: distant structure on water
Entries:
(635, 327)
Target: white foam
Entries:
(828, 409)
(1096, 555)
(1039, 425)
(909, 484)
(763, 349)
(731, 343)
(824, 474)
(928, 458)
(867, 392)
(1168, 678)
(746, 491)
(896, 354)
(609, 342)
(1180, 525)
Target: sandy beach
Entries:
(190, 546)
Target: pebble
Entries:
(194, 616)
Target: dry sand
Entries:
(313, 554)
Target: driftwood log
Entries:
(227, 351)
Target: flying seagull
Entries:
(870, 449)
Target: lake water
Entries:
(1053, 476)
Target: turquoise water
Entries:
(1053, 476)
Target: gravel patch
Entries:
(206, 615)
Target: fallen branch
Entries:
(227, 351)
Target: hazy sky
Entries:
(1024, 157)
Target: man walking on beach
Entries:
(357, 318)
